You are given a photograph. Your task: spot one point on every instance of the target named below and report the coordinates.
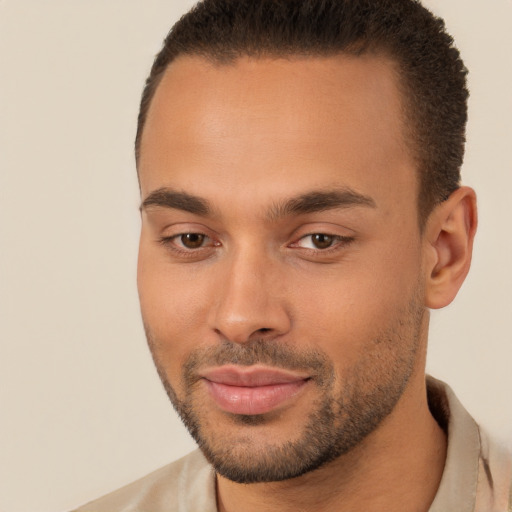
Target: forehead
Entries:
(303, 122)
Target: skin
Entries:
(251, 135)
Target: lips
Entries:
(252, 390)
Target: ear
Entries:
(449, 235)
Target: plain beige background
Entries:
(82, 410)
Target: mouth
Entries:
(252, 390)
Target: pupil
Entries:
(322, 241)
(192, 240)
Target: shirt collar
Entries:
(458, 487)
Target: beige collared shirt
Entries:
(476, 478)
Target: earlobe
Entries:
(449, 234)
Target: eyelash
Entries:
(339, 243)
(169, 243)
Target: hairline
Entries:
(226, 59)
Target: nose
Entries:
(249, 302)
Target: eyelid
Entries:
(340, 243)
(177, 229)
(171, 239)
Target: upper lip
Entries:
(251, 376)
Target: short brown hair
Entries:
(432, 74)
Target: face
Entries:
(280, 257)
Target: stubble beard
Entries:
(338, 421)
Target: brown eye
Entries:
(192, 240)
(322, 241)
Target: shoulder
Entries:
(478, 470)
(186, 484)
(495, 475)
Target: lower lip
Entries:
(253, 400)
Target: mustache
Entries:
(260, 351)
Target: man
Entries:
(302, 211)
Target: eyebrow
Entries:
(310, 202)
(318, 201)
(168, 198)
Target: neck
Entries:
(398, 467)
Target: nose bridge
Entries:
(248, 303)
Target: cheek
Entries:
(346, 310)
(173, 309)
